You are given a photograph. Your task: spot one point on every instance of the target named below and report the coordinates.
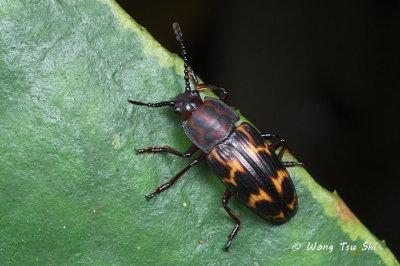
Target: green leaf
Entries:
(71, 186)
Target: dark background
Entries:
(322, 74)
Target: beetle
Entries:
(239, 155)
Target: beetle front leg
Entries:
(238, 220)
(221, 92)
(167, 148)
(167, 185)
(193, 78)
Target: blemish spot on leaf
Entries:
(344, 212)
(117, 141)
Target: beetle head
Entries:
(186, 103)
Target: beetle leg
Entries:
(193, 78)
(160, 104)
(280, 143)
(221, 92)
(192, 149)
(275, 145)
(291, 164)
(270, 136)
(238, 220)
(167, 185)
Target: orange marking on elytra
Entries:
(260, 196)
(254, 149)
(234, 166)
(279, 215)
(264, 148)
(291, 205)
(230, 180)
(281, 175)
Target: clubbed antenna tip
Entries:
(179, 37)
(177, 31)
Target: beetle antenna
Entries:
(179, 37)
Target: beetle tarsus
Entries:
(173, 180)
(150, 196)
(235, 217)
(291, 164)
(226, 248)
(193, 78)
(281, 143)
(232, 234)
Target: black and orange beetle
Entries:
(239, 155)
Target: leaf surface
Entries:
(71, 186)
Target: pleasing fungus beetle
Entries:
(239, 155)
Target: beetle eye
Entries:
(177, 110)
